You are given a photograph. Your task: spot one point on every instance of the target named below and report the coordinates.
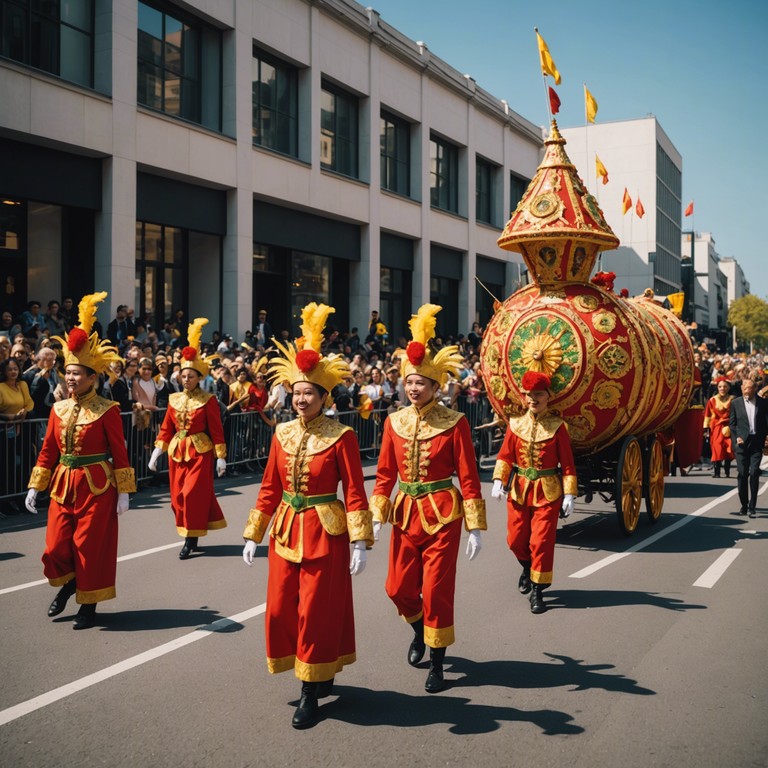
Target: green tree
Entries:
(749, 315)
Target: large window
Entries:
(444, 175)
(484, 203)
(338, 131)
(517, 187)
(179, 66)
(53, 35)
(161, 271)
(275, 104)
(395, 154)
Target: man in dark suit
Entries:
(263, 333)
(749, 427)
(121, 328)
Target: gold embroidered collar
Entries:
(723, 401)
(92, 407)
(430, 421)
(321, 434)
(189, 401)
(532, 429)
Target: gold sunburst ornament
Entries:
(542, 354)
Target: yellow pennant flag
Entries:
(547, 65)
(591, 105)
(601, 169)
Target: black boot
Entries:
(727, 467)
(325, 688)
(59, 603)
(537, 601)
(86, 617)
(435, 681)
(524, 584)
(307, 713)
(717, 466)
(417, 647)
(190, 545)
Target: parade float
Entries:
(622, 368)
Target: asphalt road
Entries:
(653, 652)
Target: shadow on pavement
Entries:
(161, 618)
(579, 599)
(360, 706)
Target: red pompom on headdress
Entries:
(306, 360)
(722, 378)
(624, 293)
(416, 352)
(189, 353)
(533, 381)
(76, 338)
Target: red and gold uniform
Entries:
(84, 464)
(193, 436)
(537, 454)
(309, 619)
(422, 449)
(716, 418)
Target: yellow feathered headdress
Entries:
(418, 356)
(302, 360)
(81, 347)
(191, 357)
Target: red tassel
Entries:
(189, 353)
(416, 352)
(306, 360)
(76, 339)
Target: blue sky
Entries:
(699, 66)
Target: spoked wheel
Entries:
(629, 485)
(653, 477)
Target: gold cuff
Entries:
(360, 526)
(221, 450)
(474, 514)
(381, 507)
(256, 526)
(570, 485)
(126, 480)
(502, 471)
(40, 478)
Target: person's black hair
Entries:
(4, 368)
(32, 303)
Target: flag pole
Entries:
(543, 79)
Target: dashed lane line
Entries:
(710, 577)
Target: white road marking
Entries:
(710, 577)
(31, 705)
(610, 559)
(144, 552)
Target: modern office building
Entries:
(738, 285)
(639, 157)
(707, 286)
(221, 156)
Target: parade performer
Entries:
(422, 446)
(716, 420)
(193, 435)
(309, 618)
(83, 463)
(537, 456)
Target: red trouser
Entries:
(422, 577)
(310, 620)
(81, 541)
(531, 535)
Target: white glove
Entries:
(122, 503)
(376, 530)
(221, 467)
(567, 507)
(249, 551)
(359, 555)
(474, 544)
(31, 501)
(497, 491)
(156, 454)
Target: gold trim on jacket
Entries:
(430, 421)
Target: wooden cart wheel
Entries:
(653, 476)
(629, 485)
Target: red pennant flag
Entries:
(554, 101)
(639, 210)
(626, 202)
(689, 209)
